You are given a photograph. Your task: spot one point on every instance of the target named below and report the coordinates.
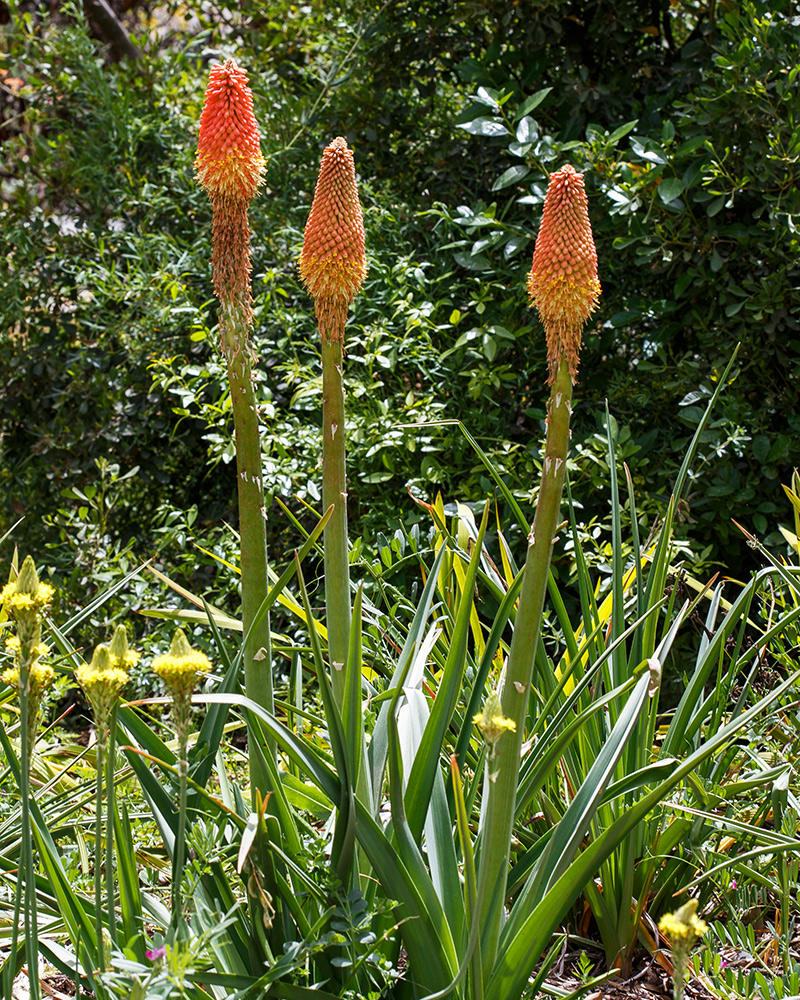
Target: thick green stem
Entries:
(334, 492)
(252, 528)
(502, 789)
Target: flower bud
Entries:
(491, 721)
(122, 655)
(182, 666)
(333, 262)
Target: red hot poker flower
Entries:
(563, 282)
(229, 163)
(333, 263)
(231, 168)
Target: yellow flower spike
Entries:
(683, 924)
(182, 666)
(683, 928)
(491, 721)
(333, 262)
(26, 593)
(102, 681)
(563, 283)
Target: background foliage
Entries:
(115, 432)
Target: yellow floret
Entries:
(40, 677)
(683, 924)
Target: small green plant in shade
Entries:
(683, 929)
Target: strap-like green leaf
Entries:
(426, 761)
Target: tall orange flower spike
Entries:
(563, 283)
(333, 263)
(229, 163)
(230, 168)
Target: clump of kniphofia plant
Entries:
(231, 169)
(333, 262)
(563, 282)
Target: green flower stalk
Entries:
(25, 601)
(231, 169)
(684, 929)
(180, 669)
(102, 681)
(40, 678)
(333, 267)
(564, 288)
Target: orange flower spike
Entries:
(333, 263)
(563, 282)
(231, 168)
(229, 163)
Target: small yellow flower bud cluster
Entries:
(683, 928)
(683, 924)
(491, 721)
(182, 667)
(40, 677)
(17, 601)
(24, 601)
(13, 645)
